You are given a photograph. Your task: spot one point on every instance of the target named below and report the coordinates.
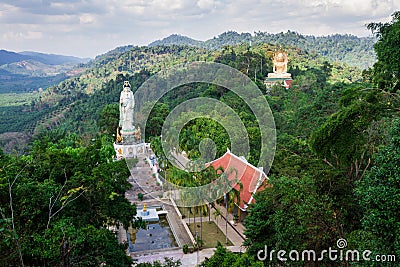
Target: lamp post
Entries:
(226, 219)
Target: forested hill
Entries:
(177, 39)
(75, 104)
(353, 50)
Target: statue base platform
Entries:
(151, 215)
(129, 139)
(280, 75)
(278, 79)
(129, 150)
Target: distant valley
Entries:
(30, 71)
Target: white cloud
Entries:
(22, 35)
(87, 19)
(207, 4)
(90, 27)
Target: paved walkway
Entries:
(177, 224)
(143, 182)
(235, 231)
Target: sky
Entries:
(87, 28)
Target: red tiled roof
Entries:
(288, 83)
(250, 176)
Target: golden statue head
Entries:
(280, 57)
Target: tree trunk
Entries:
(201, 223)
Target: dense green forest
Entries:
(335, 173)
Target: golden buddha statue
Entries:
(280, 61)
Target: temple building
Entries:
(253, 179)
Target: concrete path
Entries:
(235, 231)
(180, 159)
(143, 182)
(177, 224)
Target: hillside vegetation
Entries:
(69, 98)
(66, 103)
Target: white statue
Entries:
(126, 105)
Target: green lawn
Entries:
(211, 234)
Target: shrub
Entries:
(185, 248)
(140, 196)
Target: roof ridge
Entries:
(259, 169)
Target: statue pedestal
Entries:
(151, 215)
(284, 75)
(284, 79)
(129, 139)
(126, 150)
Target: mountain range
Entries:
(353, 50)
(27, 71)
(7, 57)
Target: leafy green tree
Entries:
(156, 120)
(109, 118)
(292, 214)
(58, 203)
(225, 258)
(386, 71)
(344, 140)
(379, 195)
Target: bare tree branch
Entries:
(10, 185)
(62, 207)
(51, 205)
